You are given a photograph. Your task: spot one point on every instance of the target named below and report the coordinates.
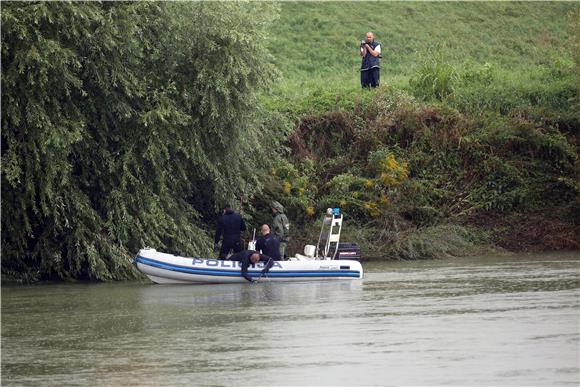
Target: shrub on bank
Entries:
(422, 169)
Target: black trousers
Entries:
(370, 78)
(236, 246)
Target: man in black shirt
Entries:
(268, 243)
(249, 257)
(231, 225)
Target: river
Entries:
(500, 320)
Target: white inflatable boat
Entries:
(164, 268)
(327, 260)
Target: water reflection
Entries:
(492, 320)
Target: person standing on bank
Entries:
(281, 227)
(268, 243)
(370, 70)
(231, 225)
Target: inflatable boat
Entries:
(165, 268)
(329, 259)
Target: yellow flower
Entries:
(273, 171)
(369, 183)
(343, 203)
(355, 194)
(372, 208)
(384, 200)
(392, 163)
(404, 173)
(286, 187)
(301, 190)
(309, 211)
(387, 179)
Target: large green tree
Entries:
(123, 124)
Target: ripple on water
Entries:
(477, 321)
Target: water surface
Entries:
(477, 321)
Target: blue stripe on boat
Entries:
(231, 273)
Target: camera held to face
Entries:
(363, 42)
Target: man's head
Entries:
(370, 37)
(276, 207)
(265, 229)
(227, 207)
(254, 258)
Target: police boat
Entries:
(328, 260)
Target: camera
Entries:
(363, 42)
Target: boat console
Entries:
(329, 246)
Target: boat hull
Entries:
(165, 268)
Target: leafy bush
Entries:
(441, 241)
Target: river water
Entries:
(470, 321)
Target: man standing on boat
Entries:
(250, 257)
(281, 227)
(268, 244)
(231, 225)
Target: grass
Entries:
(480, 99)
(315, 44)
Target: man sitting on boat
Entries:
(249, 257)
(268, 243)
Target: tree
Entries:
(121, 123)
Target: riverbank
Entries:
(469, 145)
(418, 179)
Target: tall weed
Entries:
(436, 78)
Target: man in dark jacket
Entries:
(249, 257)
(268, 243)
(230, 224)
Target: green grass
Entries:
(480, 99)
(315, 44)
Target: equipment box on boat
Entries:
(348, 251)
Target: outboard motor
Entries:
(348, 251)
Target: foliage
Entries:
(435, 78)
(433, 242)
(415, 168)
(127, 124)
(122, 124)
(487, 121)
